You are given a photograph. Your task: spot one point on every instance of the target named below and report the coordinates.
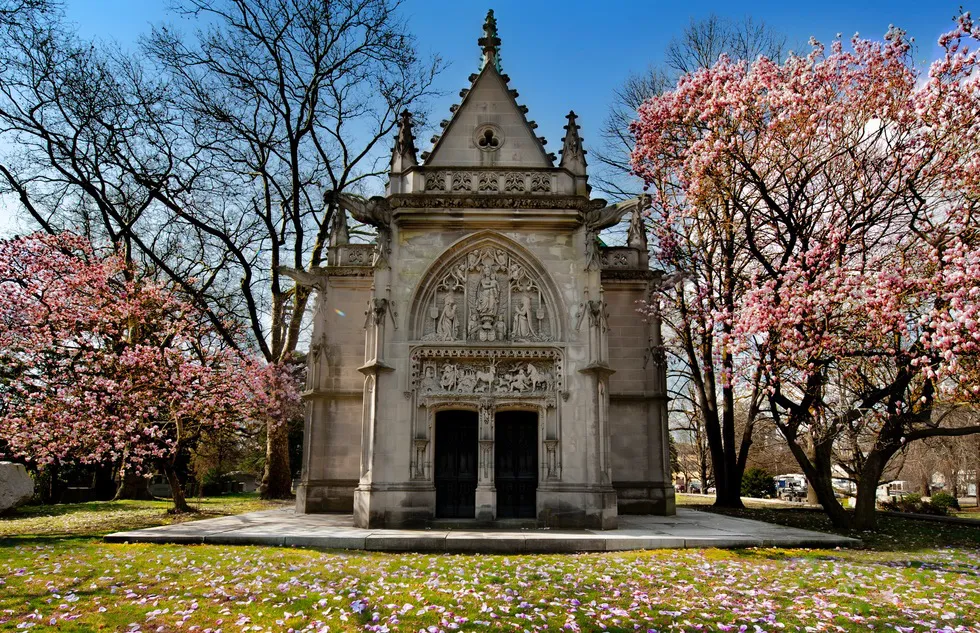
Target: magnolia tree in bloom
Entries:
(851, 186)
(96, 367)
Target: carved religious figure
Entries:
(522, 329)
(447, 328)
(449, 376)
(488, 293)
(520, 380)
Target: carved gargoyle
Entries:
(374, 211)
(315, 278)
(603, 218)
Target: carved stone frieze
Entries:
(515, 182)
(358, 255)
(435, 181)
(462, 181)
(540, 183)
(620, 257)
(501, 201)
(477, 376)
(520, 372)
(488, 182)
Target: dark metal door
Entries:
(456, 464)
(516, 464)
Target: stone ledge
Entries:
(688, 529)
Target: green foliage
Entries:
(915, 504)
(758, 483)
(214, 482)
(945, 500)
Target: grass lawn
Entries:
(56, 574)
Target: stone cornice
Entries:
(492, 201)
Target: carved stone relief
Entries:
(487, 296)
(520, 373)
(483, 377)
(435, 182)
(487, 182)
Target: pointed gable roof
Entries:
(488, 128)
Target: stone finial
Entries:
(636, 237)
(403, 154)
(572, 152)
(339, 233)
(490, 43)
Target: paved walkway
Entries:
(690, 528)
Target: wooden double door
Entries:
(515, 463)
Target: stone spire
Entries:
(572, 153)
(490, 43)
(403, 153)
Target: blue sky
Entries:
(572, 54)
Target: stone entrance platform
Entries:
(689, 528)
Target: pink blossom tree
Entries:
(98, 367)
(853, 185)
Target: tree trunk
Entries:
(865, 516)
(176, 490)
(277, 480)
(819, 476)
(131, 486)
(811, 494)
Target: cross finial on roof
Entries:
(490, 43)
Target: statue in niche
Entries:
(429, 382)
(488, 294)
(447, 328)
(522, 329)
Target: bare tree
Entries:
(700, 45)
(208, 166)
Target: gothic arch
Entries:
(487, 288)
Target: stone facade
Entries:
(488, 316)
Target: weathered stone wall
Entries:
(331, 450)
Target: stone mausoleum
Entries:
(503, 370)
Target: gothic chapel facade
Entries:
(503, 371)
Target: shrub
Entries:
(758, 483)
(945, 500)
(913, 503)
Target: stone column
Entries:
(486, 493)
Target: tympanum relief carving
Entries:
(488, 296)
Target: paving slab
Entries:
(283, 527)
